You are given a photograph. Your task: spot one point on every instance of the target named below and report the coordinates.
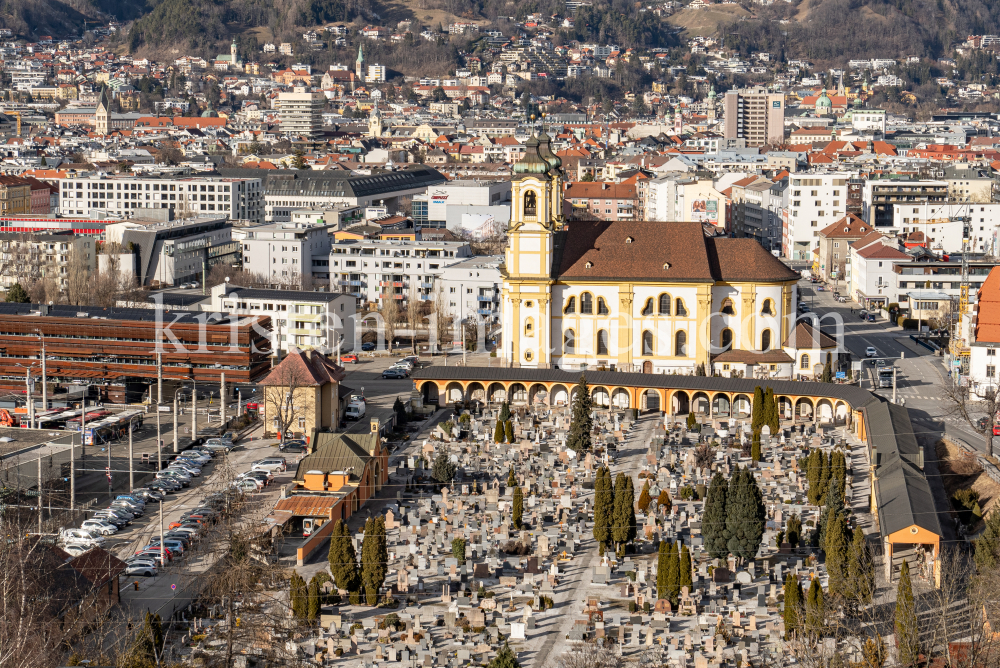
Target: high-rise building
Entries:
(755, 115)
(301, 112)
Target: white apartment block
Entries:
(286, 253)
(127, 196)
(373, 270)
(944, 226)
(301, 112)
(814, 201)
(300, 319)
(53, 256)
(471, 289)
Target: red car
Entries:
(349, 358)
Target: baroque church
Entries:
(641, 296)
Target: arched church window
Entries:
(530, 203)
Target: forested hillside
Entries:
(838, 30)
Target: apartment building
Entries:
(300, 319)
(374, 270)
(834, 246)
(301, 112)
(45, 256)
(968, 184)
(684, 199)
(15, 195)
(755, 115)
(287, 189)
(756, 208)
(172, 253)
(126, 196)
(814, 201)
(287, 253)
(880, 196)
(601, 201)
(471, 289)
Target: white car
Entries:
(75, 550)
(871, 352)
(145, 569)
(100, 526)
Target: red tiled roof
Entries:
(850, 226)
(305, 369)
(988, 316)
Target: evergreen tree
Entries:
(814, 608)
(692, 421)
(663, 502)
(824, 477)
(342, 558)
(827, 376)
(582, 424)
(758, 412)
(685, 568)
(793, 602)
(518, 512)
(504, 412)
(838, 471)
(380, 566)
(836, 548)
(673, 575)
(907, 636)
(835, 503)
(511, 480)
(873, 653)
(745, 514)
(508, 428)
(860, 569)
(297, 594)
(400, 410)
(603, 506)
(793, 531)
(505, 658)
(444, 469)
(367, 566)
(662, 567)
(458, 550)
(16, 294)
(623, 518)
(312, 609)
(772, 411)
(755, 447)
(814, 469)
(498, 433)
(713, 520)
(987, 555)
(644, 498)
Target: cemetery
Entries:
(519, 532)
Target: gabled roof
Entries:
(806, 336)
(848, 227)
(867, 240)
(882, 252)
(988, 315)
(339, 452)
(304, 369)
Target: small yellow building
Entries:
(304, 394)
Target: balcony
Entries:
(391, 284)
(485, 311)
(386, 295)
(427, 286)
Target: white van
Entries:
(81, 537)
(355, 410)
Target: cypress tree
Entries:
(518, 511)
(987, 555)
(508, 428)
(298, 595)
(674, 574)
(498, 433)
(745, 515)
(838, 471)
(367, 556)
(836, 548)
(907, 637)
(692, 422)
(814, 470)
(312, 611)
(581, 424)
(511, 480)
(793, 601)
(662, 566)
(824, 477)
(860, 569)
(505, 658)
(713, 520)
(755, 447)
(644, 498)
(814, 608)
(685, 568)
(380, 567)
(772, 411)
(504, 412)
(758, 411)
(603, 506)
(342, 558)
(827, 376)
(793, 531)
(623, 518)
(663, 502)
(835, 503)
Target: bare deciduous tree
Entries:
(284, 397)
(392, 316)
(979, 411)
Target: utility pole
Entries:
(159, 443)
(194, 409)
(894, 384)
(222, 399)
(83, 444)
(45, 390)
(39, 495)
(131, 469)
(175, 423)
(159, 381)
(31, 399)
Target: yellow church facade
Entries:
(656, 297)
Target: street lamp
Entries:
(45, 390)
(29, 400)
(194, 394)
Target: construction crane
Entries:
(15, 114)
(959, 349)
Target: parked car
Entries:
(143, 569)
(395, 373)
(351, 357)
(292, 446)
(872, 317)
(81, 537)
(366, 347)
(76, 549)
(100, 526)
(270, 464)
(247, 485)
(863, 314)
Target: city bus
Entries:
(113, 427)
(53, 419)
(885, 374)
(73, 423)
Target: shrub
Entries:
(645, 607)
(631, 606)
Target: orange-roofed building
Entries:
(981, 333)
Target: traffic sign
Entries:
(173, 587)
(32, 492)
(841, 375)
